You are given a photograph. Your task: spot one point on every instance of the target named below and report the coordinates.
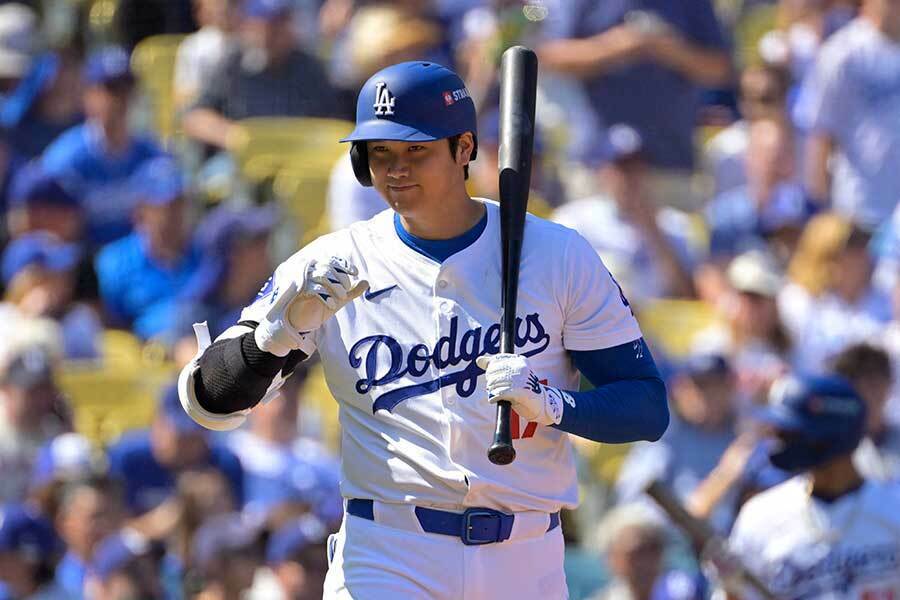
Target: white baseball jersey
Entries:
(400, 361)
(802, 547)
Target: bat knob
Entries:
(501, 453)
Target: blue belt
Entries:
(475, 526)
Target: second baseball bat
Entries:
(518, 89)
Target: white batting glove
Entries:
(510, 378)
(325, 287)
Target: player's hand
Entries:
(510, 378)
(324, 287)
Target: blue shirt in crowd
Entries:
(657, 101)
(100, 179)
(70, 574)
(139, 291)
(147, 483)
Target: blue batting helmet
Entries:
(410, 102)
(823, 417)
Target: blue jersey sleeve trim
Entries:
(628, 403)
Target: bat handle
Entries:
(501, 451)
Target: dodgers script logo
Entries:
(384, 100)
(450, 350)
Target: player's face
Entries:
(410, 176)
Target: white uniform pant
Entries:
(371, 560)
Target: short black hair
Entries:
(863, 361)
(453, 140)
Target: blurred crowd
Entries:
(735, 159)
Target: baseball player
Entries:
(827, 533)
(403, 310)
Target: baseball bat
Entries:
(701, 533)
(518, 88)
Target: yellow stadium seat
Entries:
(750, 29)
(108, 401)
(673, 323)
(153, 61)
(302, 191)
(266, 145)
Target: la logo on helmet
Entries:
(384, 100)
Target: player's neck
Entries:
(444, 220)
(835, 478)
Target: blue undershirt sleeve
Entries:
(628, 402)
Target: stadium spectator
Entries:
(298, 558)
(270, 75)
(67, 458)
(760, 347)
(705, 407)
(378, 34)
(868, 369)
(645, 245)
(280, 466)
(31, 408)
(124, 566)
(29, 549)
(234, 244)
(762, 94)
(88, 511)
(97, 159)
(148, 462)
(635, 58)
(46, 103)
(142, 274)
(228, 549)
(38, 201)
(201, 52)
(770, 208)
(633, 539)
(830, 301)
(39, 273)
(849, 106)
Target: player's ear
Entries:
(465, 148)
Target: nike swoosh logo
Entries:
(370, 295)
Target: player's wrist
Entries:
(554, 405)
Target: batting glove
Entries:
(510, 378)
(325, 287)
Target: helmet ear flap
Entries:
(359, 158)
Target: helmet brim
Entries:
(379, 129)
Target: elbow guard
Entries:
(187, 392)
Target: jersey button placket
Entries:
(443, 314)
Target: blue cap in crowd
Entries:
(266, 9)
(216, 235)
(117, 552)
(68, 456)
(108, 65)
(620, 142)
(814, 404)
(222, 535)
(224, 226)
(170, 408)
(33, 185)
(705, 362)
(26, 533)
(158, 181)
(291, 539)
(40, 249)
